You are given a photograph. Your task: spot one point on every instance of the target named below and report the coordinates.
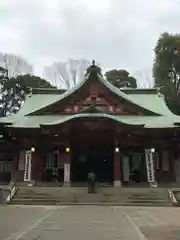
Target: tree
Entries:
(121, 78)
(66, 74)
(13, 91)
(166, 68)
(144, 78)
(27, 80)
(15, 65)
(3, 74)
(11, 98)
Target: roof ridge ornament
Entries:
(93, 69)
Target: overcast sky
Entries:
(117, 33)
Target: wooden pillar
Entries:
(171, 166)
(36, 168)
(177, 167)
(15, 167)
(117, 169)
(19, 164)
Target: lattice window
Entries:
(5, 166)
(50, 161)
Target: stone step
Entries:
(34, 196)
(87, 200)
(30, 202)
(22, 200)
(63, 191)
(144, 198)
(113, 198)
(107, 196)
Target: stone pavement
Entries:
(156, 223)
(89, 222)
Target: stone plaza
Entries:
(89, 222)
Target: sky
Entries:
(116, 33)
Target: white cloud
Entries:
(118, 33)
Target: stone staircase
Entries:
(79, 195)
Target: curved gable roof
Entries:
(147, 98)
(108, 85)
(151, 99)
(92, 115)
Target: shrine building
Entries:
(126, 136)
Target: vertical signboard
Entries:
(21, 166)
(66, 172)
(156, 161)
(149, 165)
(126, 168)
(27, 170)
(165, 161)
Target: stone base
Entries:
(11, 183)
(67, 184)
(153, 184)
(31, 183)
(117, 183)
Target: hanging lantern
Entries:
(67, 149)
(116, 149)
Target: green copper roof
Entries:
(34, 121)
(139, 121)
(33, 102)
(153, 101)
(108, 85)
(149, 99)
(91, 115)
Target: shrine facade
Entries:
(123, 135)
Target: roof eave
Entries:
(5, 123)
(90, 116)
(21, 127)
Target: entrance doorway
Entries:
(133, 165)
(5, 167)
(53, 167)
(92, 158)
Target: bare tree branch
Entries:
(15, 65)
(66, 74)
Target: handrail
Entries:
(172, 197)
(12, 192)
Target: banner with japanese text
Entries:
(27, 170)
